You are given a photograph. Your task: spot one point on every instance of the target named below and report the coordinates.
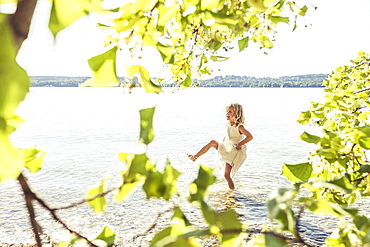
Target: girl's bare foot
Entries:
(231, 185)
(192, 157)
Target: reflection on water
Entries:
(82, 136)
(249, 208)
(224, 200)
(251, 211)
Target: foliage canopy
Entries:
(187, 35)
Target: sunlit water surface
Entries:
(83, 130)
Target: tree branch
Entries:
(363, 90)
(57, 219)
(29, 196)
(300, 239)
(87, 200)
(20, 21)
(152, 226)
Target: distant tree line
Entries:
(312, 80)
(57, 81)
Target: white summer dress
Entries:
(227, 153)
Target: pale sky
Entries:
(336, 31)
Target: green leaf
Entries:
(277, 19)
(170, 176)
(136, 166)
(180, 217)
(328, 153)
(145, 80)
(364, 169)
(303, 10)
(10, 163)
(71, 239)
(12, 124)
(274, 241)
(365, 142)
(243, 43)
(257, 4)
(166, 13)
(186, 83)
(208, 4)
(33, 158)
(153, 185)
(64, 13)
(222, 19)
(149, 40)
(104, 69)
(364, 116)
(180, 233)
(8, 1)
(215, 45)
(310, 138)
(146, 125)
(329, 125)
(107, 235)
(219, 58)
(133, 175)
(14, 85)
(161, 236)
(265, 42)
(270, 3)
(167, 53)
(267, 240)
(161, 185)
(199, 187)
(98, 204)
(343, 183)
(126, 157)
(145, 5)
(14, 80)
(279, 208)
(169, 237)
(363, 224)
(224, 224)
(297, 173)
(304, 117)
(125, 190)
(322, 207)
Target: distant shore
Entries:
(311, 80)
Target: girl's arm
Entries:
(248, 137)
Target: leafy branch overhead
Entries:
(185, 34)
(336, 174)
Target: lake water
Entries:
(83, 129)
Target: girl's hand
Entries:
(238, 146)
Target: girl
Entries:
(232, 150)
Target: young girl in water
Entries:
(232, 150)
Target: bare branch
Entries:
(363, 90)
(21, 20)
(57, 219)
(29, 196)
(87, 200)
(152, 226)
(300, 239)
(362, 62)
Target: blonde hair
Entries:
(239, 113)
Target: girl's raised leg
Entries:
(203, 150)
